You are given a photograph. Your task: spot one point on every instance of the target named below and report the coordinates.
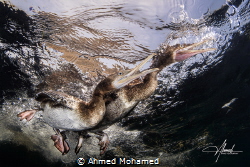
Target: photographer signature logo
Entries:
(221, 150)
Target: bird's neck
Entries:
(143, 90)
(97, 100)
(93, 111)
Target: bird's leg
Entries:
(27, 114)
(79, 144)
(82, 135)
(59, 141)
(104, 141)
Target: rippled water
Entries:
(123, 29)
(98, 37)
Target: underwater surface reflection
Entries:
(70, 46)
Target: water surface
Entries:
(70, 46)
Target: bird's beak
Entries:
(186, 52)
(134, 74)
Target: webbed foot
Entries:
(104, 142)
(60, 143)
(27, 114)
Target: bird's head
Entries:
(124, 77)
(170, 54)
(181, 53)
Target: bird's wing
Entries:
(59, 98)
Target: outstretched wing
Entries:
(59, 98)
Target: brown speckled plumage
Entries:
(122, 101)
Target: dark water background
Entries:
(184, 116)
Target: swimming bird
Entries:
(66, 112)
(122, 101)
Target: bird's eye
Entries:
(120, 73)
